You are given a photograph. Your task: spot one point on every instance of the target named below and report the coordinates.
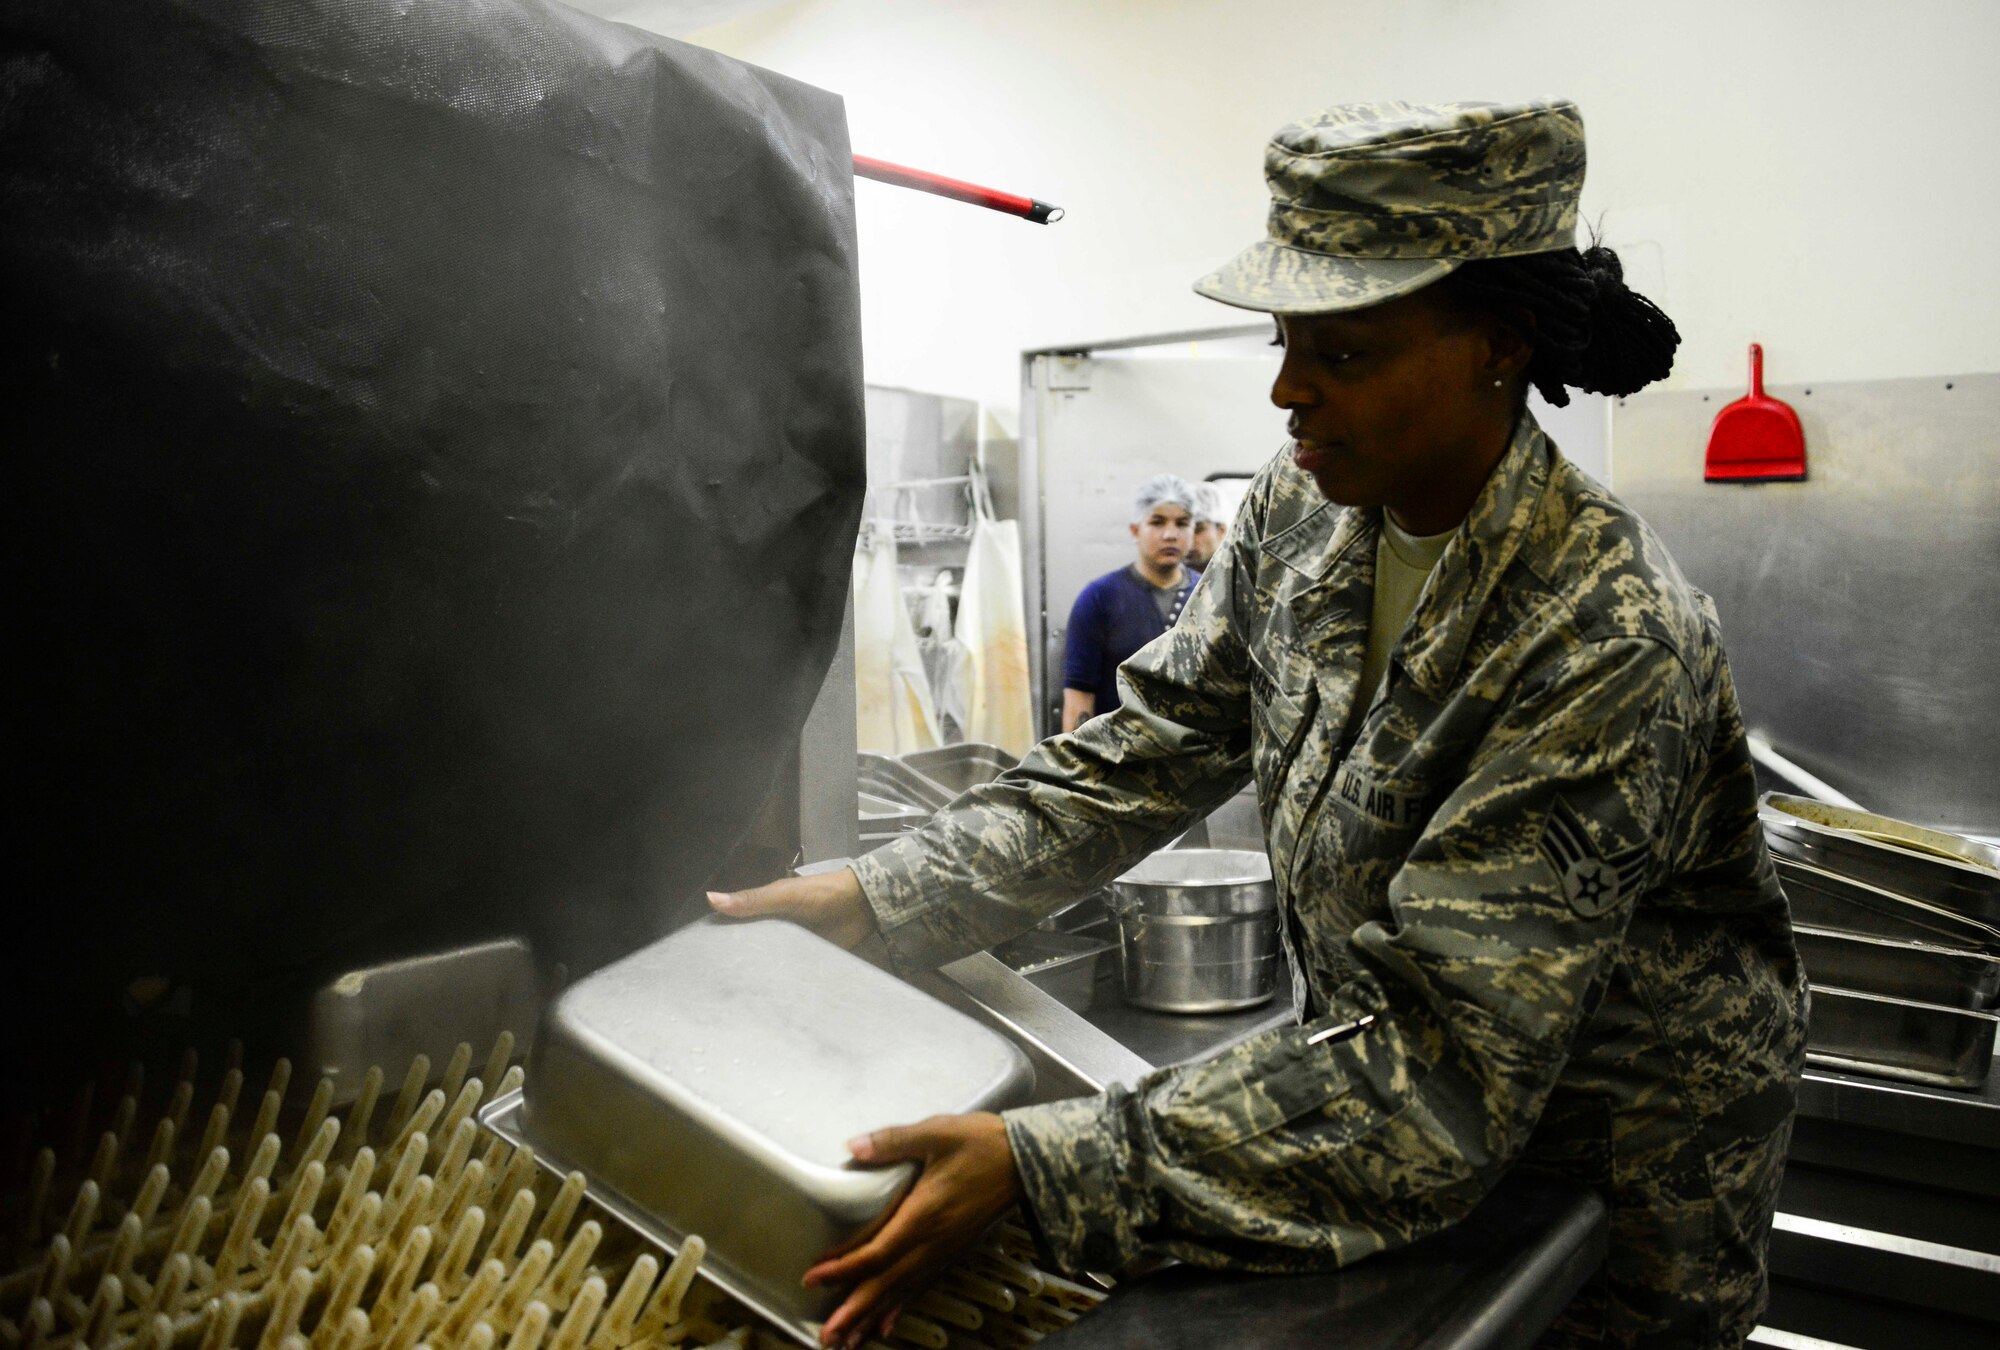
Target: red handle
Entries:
(959, 191)
(1757, 369)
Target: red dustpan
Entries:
(1756, 439)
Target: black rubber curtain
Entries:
(432, 445)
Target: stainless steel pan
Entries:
(1887, 830)
(887, 776)
(1828, 900)
(1948, 976)
(1900, 1038)
(963, 766)
(1946, 871)
(708, 1084)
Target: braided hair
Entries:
(1590, 331)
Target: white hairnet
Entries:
(1208, 504)
(1163, 487)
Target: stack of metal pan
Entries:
(898, 793)
(1899, 930)
(893, 799)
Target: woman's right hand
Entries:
(830, 904)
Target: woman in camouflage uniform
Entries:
(1511, 815)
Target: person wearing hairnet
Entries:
(1209, 526)
(1505, 783)
(1122, 611)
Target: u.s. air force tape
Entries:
(1378, 801)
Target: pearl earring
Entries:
(1496, 384)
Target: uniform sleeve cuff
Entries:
(890, 882)
(1074, 1165)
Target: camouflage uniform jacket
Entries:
(1534, 857)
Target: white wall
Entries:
(1817, 174)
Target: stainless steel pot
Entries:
(1198, 930)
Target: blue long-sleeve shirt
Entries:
(1115, 616)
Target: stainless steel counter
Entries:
(1916, 1109)
(1889, 1197)
(1081, 1044)
(1162, 1038)
(1494, 1281)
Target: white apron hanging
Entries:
(993, 626)
(944, 658)
(893, 714)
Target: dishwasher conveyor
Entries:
(277, 1220)
(290, 1226)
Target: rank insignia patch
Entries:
(1592, 882)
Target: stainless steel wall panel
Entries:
(1858, 606)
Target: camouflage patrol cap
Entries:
(1370, 201)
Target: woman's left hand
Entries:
(967, 1182)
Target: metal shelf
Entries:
(929, 532)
